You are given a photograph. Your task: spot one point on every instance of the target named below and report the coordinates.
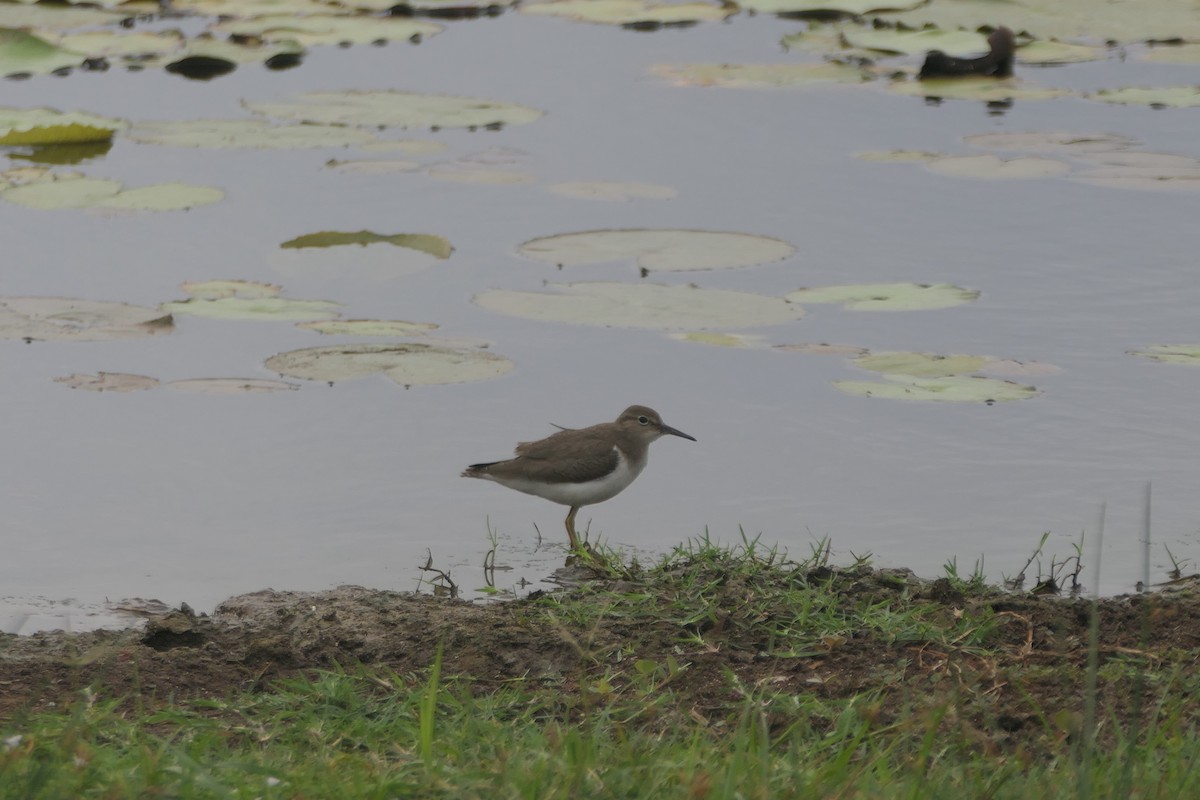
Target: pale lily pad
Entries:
(758, 76)
(247, 134)
(852, 8)
(920, 365)
(887, 296)
(104, 193)
(23, 53)
(1010, 368)
(40, 126)
(409, 364)
(369, 327)
(123, 43)
(436, 246)
(663, 249)
(395, 109)
(992, 168)
(378, 262)
(66, 319)
(909, 42)
(614, 191)
(642, 305)
(480, 176)
(1144, 178)
(1051, 141)
(109, 382)
(1046, 52)
(1171, 353)
(214, 290)
(897, 156)
(325, 29)
(955, 389)
(1178, 54)
(255, 308)
(822, 349)
(373, 166)
(232, 385)
(410, 147)
(986, 90)
(1166, 97)
(720, 339)
(630, 12)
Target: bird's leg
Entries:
(571, 528)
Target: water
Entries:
(186, 497)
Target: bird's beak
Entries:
(674, 432)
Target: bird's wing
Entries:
(568, 456)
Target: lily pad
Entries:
(478, 175)
(105, 193)
(23, 53)
(40, 126)
(1171, 353)
(396, 109)
(214, 290)
(1051, 141)
(1145, 178)
(614, 191)
(255, 308)
(887, 296)
(821, 349)
(1044, 52)
(661, 249)
(982, 89)
(369, 327)
(436, 246)
(642, 305)
(897, 156)
(954, 389)
(109, 382)
(1166, 97)
(993, 168)
(1174, 54)
(66, 319)
(852, 8)
(327, 29)
(409, 364)
(630, 12)
(758, 76)
(920, 365)
(738, 340)
(373, 166)
(915, 42)
(232, 385)
(246, 134)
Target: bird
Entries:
(577, 467)
(997, 63)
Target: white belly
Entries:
(581, 494)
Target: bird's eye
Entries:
(643, 420)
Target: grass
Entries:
(719, 673)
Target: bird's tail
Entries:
(477, 470)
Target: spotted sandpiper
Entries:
(581, 466)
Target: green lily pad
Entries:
(67, 319)
(715, 339)
(897, 156)
(232, 385)
(395, 109)
(758, 76)
(435, 246)
(369, 327)
(993, 168)
(641, 305)
(630, 12)
(104, 193)
(982, 89)
(23, 53)
(1171, 353)
(920, 365)
(409, 364)
(1166, 97)
(1051, 141)
(123, 43)
(613, 191)
(663, 249)
(327, 29)
(478, 175)
(955, 389)
(854, 8)
(908, 42)
(254, 308)
(821, 349)
(887, 296)
(109, 382)
(246, 134)
(215, 290)
(40, 126)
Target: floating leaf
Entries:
(109, 382)
(920, 365)
(409, 364)
(481, 176)
(369, 327)
(613, 190)
(986, 90)
(1010, 368)
(887, 296)
(911, 43)
(23, 53)
(667, 249)
(898, 156)
(39, 126)
(373, 166)
(720, 339)
(1171, 353)
(822, 349)
(993, 168)
(1174, 54)
(255, 308)
(425, 242)
(163, 197)
(758, 76)
(1045, 52)
(630, 12)
(246, 134)
(123, 43)
(956, 389)
(1051, 141)
(327, 29)
(395, 109)
(66, 319)
(1144, 178)
(213, 290)
(104, 193)
(854, 8)
(232, 385)
(642, 305)
(1166, 97)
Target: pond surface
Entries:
(192, 497)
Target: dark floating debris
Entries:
(997, 63)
